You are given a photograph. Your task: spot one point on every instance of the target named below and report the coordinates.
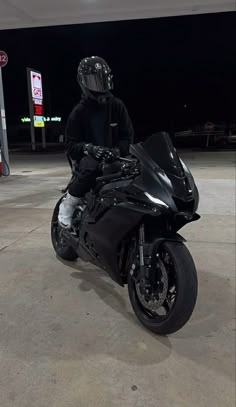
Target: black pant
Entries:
(86, 178)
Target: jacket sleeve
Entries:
(74, 135)
(126, 131)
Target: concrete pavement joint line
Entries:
(33, 230)
(21, 237)
(6, 247)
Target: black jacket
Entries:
(107, 124)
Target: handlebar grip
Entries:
(109, 177)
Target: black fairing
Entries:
(164, 175)
(100, 242)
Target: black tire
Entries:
(64, 251)
(186, 294)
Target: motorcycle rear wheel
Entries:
(180, 288)
(61, 248)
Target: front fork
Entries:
(141, 243)
(145, 259)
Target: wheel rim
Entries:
(57, 231)
(159, 304)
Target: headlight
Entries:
(156, 200)
(189, 176)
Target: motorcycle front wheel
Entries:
(60, 246)
(168, 305)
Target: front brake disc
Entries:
(154, 301)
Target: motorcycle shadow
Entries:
(214, 309)
(213, 313)
(142, 346)
(208, 338)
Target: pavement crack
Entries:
(5, 247)
(19, 238)
(9, 245)
(33, 230)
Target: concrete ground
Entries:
(68, 336)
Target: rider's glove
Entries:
(97, 152)
(116, 152)
(112, 154)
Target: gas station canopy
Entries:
(38, 13)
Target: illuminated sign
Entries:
(39, 124)
(38, 110)
(37, 99)
(36, 85)
(54, 119)
(41, 119)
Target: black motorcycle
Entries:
(128, 224)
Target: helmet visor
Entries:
(98, 82)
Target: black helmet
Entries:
(94, 75)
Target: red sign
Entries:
(3, 59)
(38, 110)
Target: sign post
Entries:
(31, 112)
(43, 138)
(3, 127)
(35, 95)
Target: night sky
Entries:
(159, 66)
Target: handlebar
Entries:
(127, 160)
(128, 168)
(109, 177)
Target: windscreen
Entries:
(160, 148)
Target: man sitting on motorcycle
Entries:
(99, 125)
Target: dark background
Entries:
(160, 66)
